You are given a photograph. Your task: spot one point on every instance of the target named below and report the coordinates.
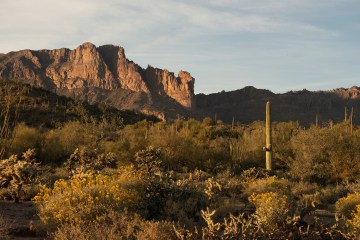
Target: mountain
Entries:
(102, 74)
(248, 105)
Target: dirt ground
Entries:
(16, 220)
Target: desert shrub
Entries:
(249, 227)
(121, 148)
(232, 227)
(84, 159)
(268, 184)
(247, 148)
(86, 196)
(208, 121)
(116, 225)
(61, 142)
(252, 174)
(345, 158)
(347, 205)
(174, 146)
(25, 138)
(305, 193)
(325, 156)
(331, 194)
(272, 210)
(283, 132)
(354, 187)
(311, 149)
(354, 220)
(174, 200)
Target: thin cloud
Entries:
(260, 41)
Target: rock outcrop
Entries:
(105, 68)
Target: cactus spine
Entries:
(268, 147)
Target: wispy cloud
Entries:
(246, 40)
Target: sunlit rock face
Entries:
(105, 67)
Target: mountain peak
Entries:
(105, 67)
(87, 45)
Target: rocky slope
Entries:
(102, 74)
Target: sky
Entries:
(226, 45)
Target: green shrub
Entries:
(25, 138)
(174, 200)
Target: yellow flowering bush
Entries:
(355, 220)
(85, 197)
(271, 209)
(346, 205)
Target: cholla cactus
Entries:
(14, 172)
(211, 231)
(149, 160)
(84, 160)
(213, 187)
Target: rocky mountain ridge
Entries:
(248, 105)
(104, 75)
(99, 69)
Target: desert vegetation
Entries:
(96, 176)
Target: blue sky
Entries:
(225, 44)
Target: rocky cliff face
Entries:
(105, 67)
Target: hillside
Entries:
(39, 107)
(248, 104)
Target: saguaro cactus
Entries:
(268, 147)
(351, 120)
(345, 114)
